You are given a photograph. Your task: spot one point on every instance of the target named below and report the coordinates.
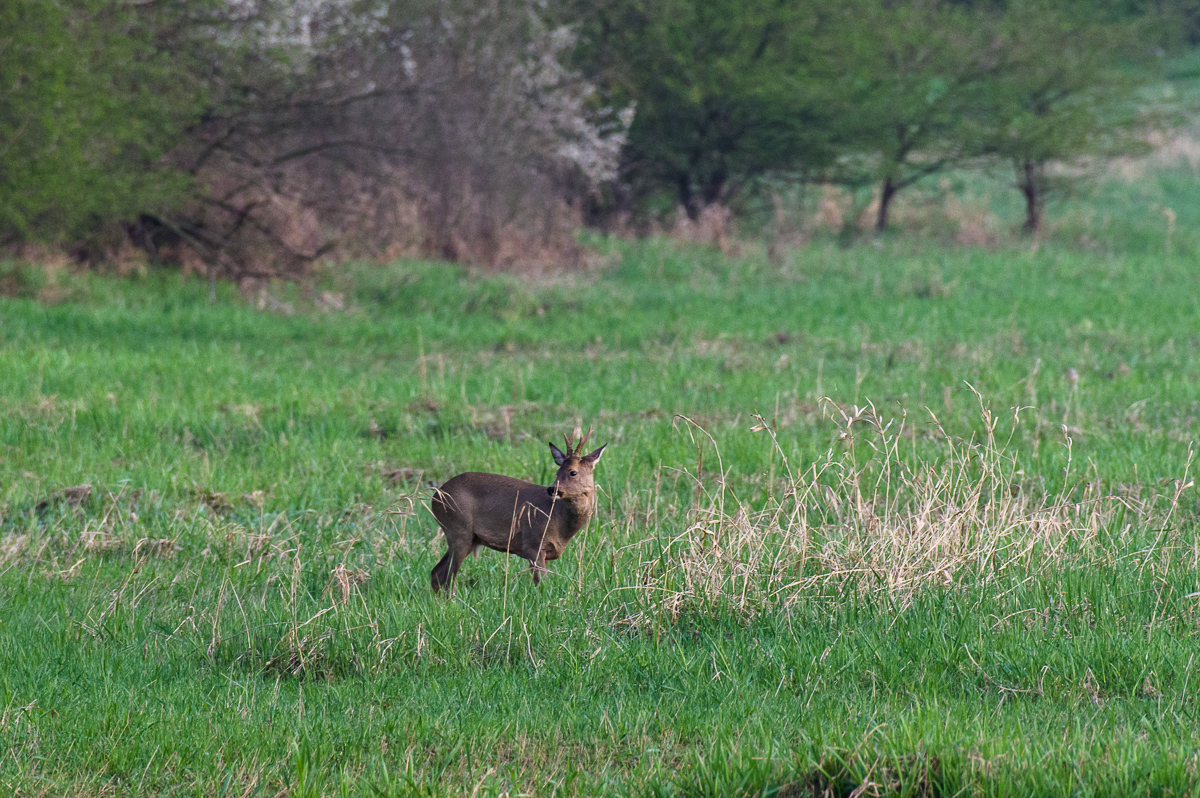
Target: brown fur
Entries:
(511, 515)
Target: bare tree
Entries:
(451, 128)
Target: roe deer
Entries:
(515, 516)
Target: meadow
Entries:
(897, 519)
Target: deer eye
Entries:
(574, 473)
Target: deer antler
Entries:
(574, 448)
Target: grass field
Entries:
(896, 585)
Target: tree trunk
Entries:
(714, 187)
(886, 193)
(1030, 181)
(692, 205)
(695, 198)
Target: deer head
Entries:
(574, 478)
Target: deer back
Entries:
(522, 517)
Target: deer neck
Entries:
(575, 512)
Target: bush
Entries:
(90, 105)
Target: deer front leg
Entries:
(538, 567)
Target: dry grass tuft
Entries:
(161, 548)
(867, 516)
(331, 302)
(101, 540)
(403, 475)
(218, 503)
(12, 546)
(301, 655)
(343, 581)
(73, 496)
(715, 227)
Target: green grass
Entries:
(273, 453)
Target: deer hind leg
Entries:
(440, 575)
(447, 568)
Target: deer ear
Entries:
(556, 453)
(594, 457)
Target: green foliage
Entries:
(1065, 87)
(90, 103)
(721, 90)
(870, 93)
(1031, 83)
(908, 75)
(106, 106)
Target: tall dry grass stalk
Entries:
(869, 516)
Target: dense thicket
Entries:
(90, 104)
(724, 92)
(869, 92)
(251, 136)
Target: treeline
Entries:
(251, 137)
